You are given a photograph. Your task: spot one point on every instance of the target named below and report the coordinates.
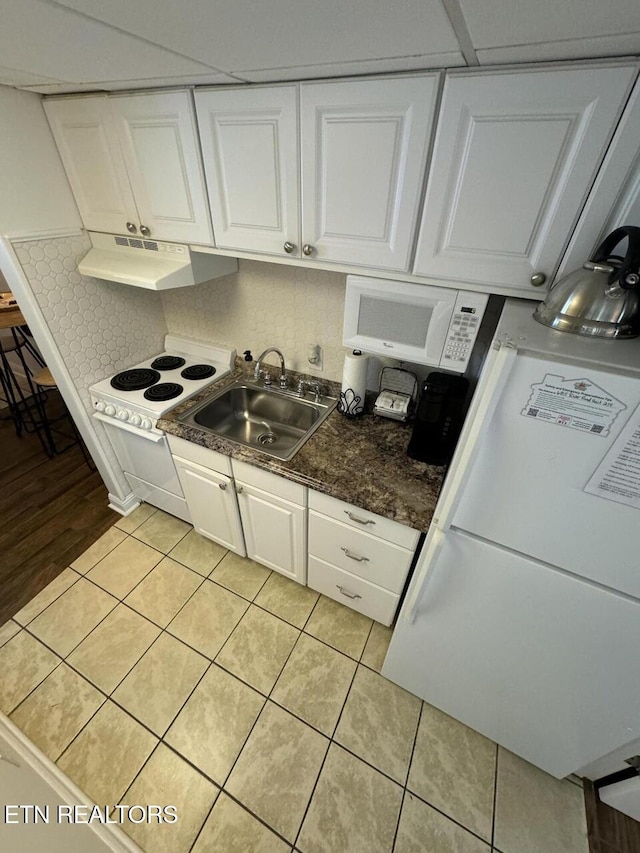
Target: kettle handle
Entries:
(627, 273)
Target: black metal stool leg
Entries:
(8, 396)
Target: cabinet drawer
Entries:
(361, 519)
(354, 592)
(359, 553)
(200, 455)
(268, 482)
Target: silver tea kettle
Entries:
(603, 298)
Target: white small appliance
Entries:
(522, 619)
(418, 323)
(130, 403)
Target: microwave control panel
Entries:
(463, 330)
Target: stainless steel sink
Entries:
(267, 419)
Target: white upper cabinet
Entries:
(364, 148)
(87, 141)
(133, 164)
(250, 150)
(615, 197)
(514, 156)
(159, 143)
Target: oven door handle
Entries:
(150, 436)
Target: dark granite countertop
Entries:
(361, 461)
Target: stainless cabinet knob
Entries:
(307, 250)
(131, 228)
(145, 231)
(289, 247)
(538, 279)
(239, 489)
(223, 486)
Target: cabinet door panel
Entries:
(514, 156)
(212, 503)
(250, 150)
(274, 531)
(364, 146)
(161, 151)
(615, 197)
(85, 135)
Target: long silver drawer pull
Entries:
(354, 556)
(359, 520)
(348, 594)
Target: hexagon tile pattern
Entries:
(263, 305)
(100, 327)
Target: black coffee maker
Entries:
(439, 418)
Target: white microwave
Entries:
(412, 322)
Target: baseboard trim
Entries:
(110, 834)
(124, 506)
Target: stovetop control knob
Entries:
(123, 415)
(145, 423)
(135, 420)
(101, 406)
(109, 409)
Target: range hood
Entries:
(151, 264)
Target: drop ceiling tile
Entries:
(619, 45)
(213, 79)
(342, 69)
(50, 41)
(549, 21)
(13, 77)
(234, 34)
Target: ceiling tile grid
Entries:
(55, 46)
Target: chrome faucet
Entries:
(258, 368)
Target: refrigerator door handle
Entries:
(482, 408)
(432, 547)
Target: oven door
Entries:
(145, 456)
(405, 321)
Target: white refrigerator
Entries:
(522, 619)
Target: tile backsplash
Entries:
(265, 305)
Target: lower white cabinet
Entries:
(358, 558)
(254, 517)
(354, 556)
(274, 531)
(212, 503)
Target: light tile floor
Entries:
(161, 669)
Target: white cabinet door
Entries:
(87, 141)
(515, 154)
(540, 662)
(159, 143)
(250, 149)
(364, 146)
(212, 503)
(615, 197)
(274, 531)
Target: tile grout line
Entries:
(406, 781)
(495, 799)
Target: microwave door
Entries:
(403, 321)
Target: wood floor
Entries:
(610, 831)
(51, 510)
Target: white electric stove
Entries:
(130, 403)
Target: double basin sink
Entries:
(273, 421)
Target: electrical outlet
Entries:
(318, 356)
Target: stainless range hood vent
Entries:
(151, 264)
